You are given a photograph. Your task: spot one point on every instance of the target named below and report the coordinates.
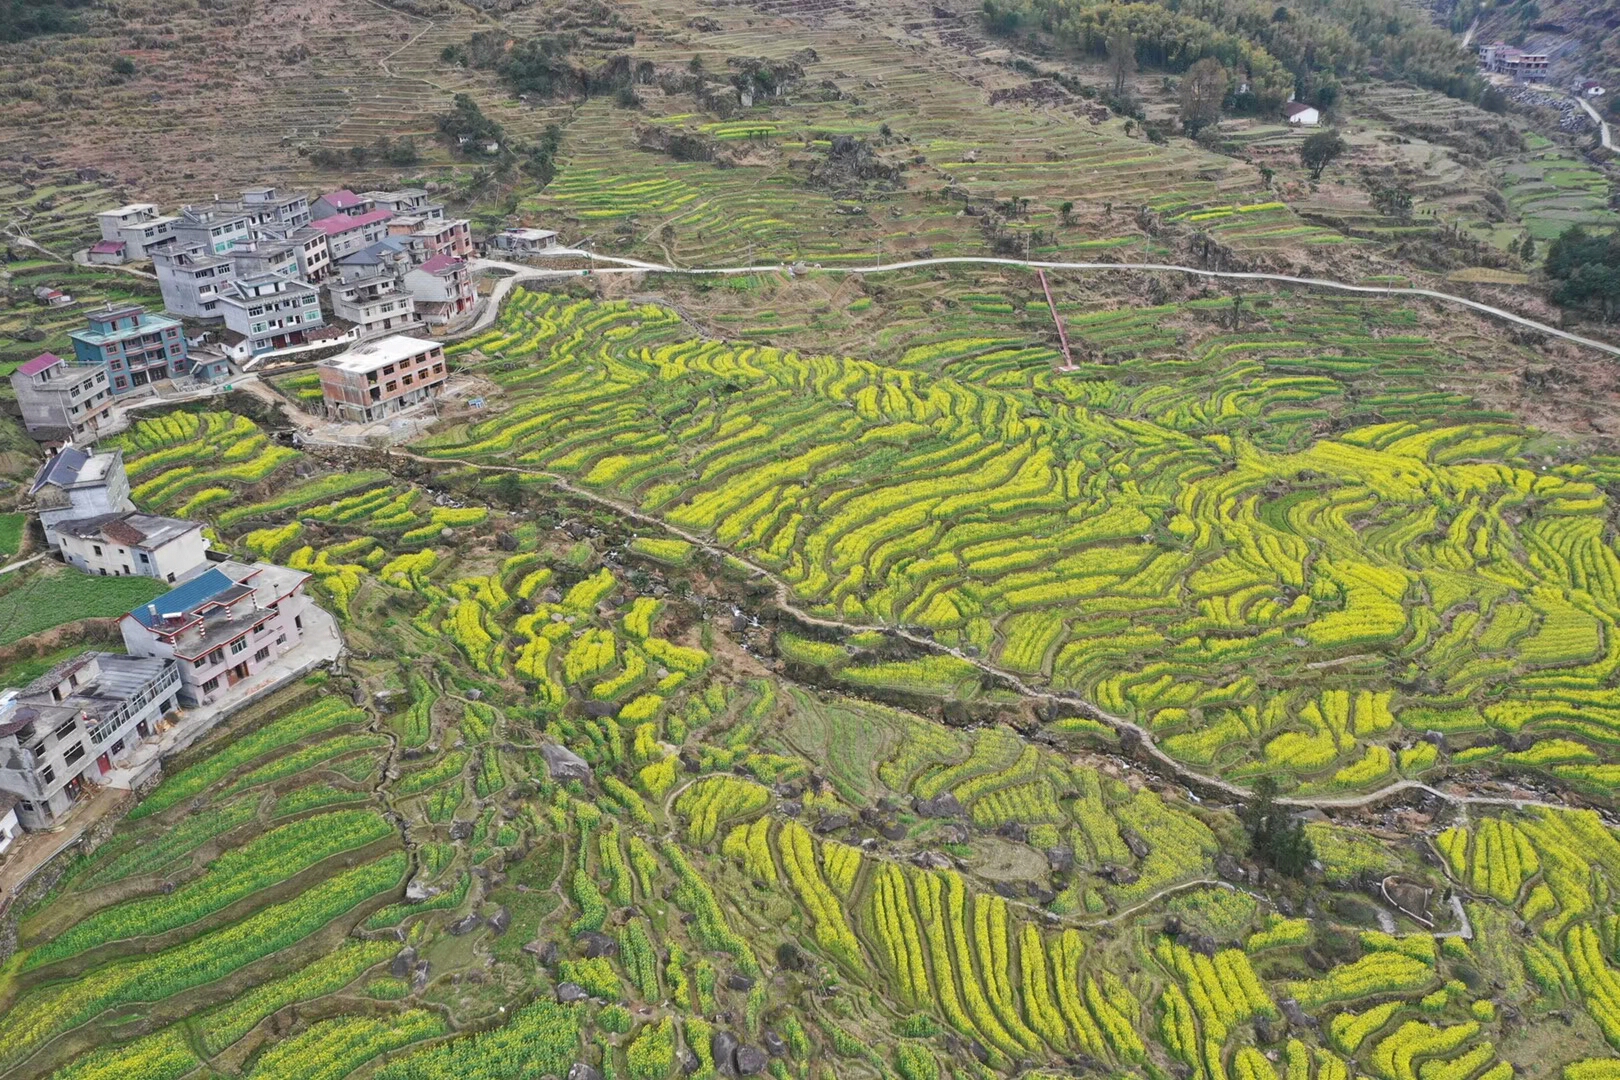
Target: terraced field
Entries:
(868, 891)
(1178, 541)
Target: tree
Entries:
(1121, 58)
(1067, 210)
(1276, 837)
(1393, 199)
(1587, 269)
(1527, 250)
(1203, 91)
(1319, 150)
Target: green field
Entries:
(45, 595)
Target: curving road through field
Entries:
(523, 272)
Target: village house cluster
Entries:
(257, 264)
(251, 272)
(191, 648)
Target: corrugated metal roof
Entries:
(193, 594)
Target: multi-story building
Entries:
(395, 252)
(344, 202)
(220, 627)
(133, 544)
(313, 252)
(1507, 60)
(273, 209)
(347, 234)
(74, 483)
(443, 289)
(10, 825)
(68, 727)
(137, 346)
(213, 226)
(272, 312)
(192, 279)
(452, 236)
(411, 201)
(138, 226)
(374, 298)
(382, 377)
(62, 401)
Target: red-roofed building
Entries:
(347, 234)
(62, 401)
(109, 253)
(343, 202)
(443, 290)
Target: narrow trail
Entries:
(522, 271)
(783, 597)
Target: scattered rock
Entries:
(404, 962)
(601, 710)
(416, 891)
(461, 830)
(1138, 846)
(775, 1045)
(832, 823)
(792, 808)
(598, 945)
(750, 1060)
(940, 806)
(570, 992)
(1296, 1015)
(932, 860)
(501, 920)
(506, 541)
(1060, 859)
(1229, 868)
(475, 695)
(564, 763)
(738, 981)
(722, 1044)
(581, 1071)
(465, 925)
(549, 953)
(1120, 875)
(689, 1061)
(892, 830)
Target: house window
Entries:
(211, 685)
(47, 775)
(217, 656)
(298, 621)
(97, 548)
(199, 663)
(120, 382)
(262, 653)
(238, 645)
(74, 754)
(65, 730)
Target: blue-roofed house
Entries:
(138, 347)
(221, 626)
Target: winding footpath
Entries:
(523, 272)
(1191, 778)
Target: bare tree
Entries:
(1121, 58)
(1203, 90)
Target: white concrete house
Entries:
(221, 627)
(10, 827)
(138, 226)
(75, 483)
(68, 728)
(525, 241)
(133, 544)
(272, 312)
(1301, 114)
(61, 400)
(374, 298)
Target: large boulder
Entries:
(598, 945)
(564, 764)
(750, 1060)
(570, 992)
(581, 1071)
(940, 806)
(722, 1044)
